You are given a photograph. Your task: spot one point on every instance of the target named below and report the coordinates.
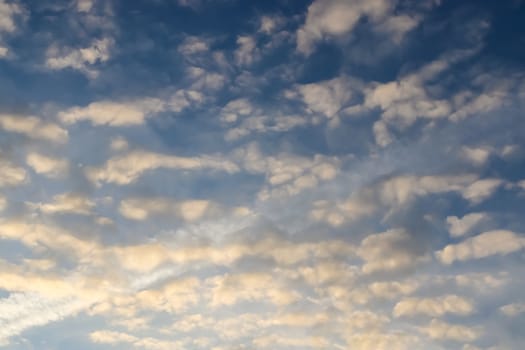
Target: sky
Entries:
(264, 174)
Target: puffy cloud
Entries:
(34, 128)
(498, 242)
(287, 175)
(230, 289)
(10, 12)
(21, 311)
(192, 45)
(119, 144)
(388, 251)
(247, 52)
(438, 329)
(513, 309)
(82, 59)
(271, 341)
(328, 97)
(480, 281)
(128, 113)
(337, 17)
(39, 235)
(12, 175)
(393, 193)
(235, 109)
(393, 289)
(435, 307)
(480, 190)
(143, 208)
(461, 226)
(3, 203)
(263, 124)
(48, 166)
(403, 189)
(382, 340)
(74, 203)
(127, 168)
(113, 337)
(477, 156)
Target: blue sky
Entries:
(226, 175)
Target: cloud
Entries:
(438, 329)
(37, 236)
(48, 166)
(83, 59)
(34, 128)
(21, 311)
(461, 226)
(480, 190)
(12, 175)
(10, 12)
(498, 242)
(127, 168)
(247, 52)
(513, 309)
(382, 340)
(287, 175)
(3, 203)
(73, 203)
(388, 251)
(394, 194)
(435, 307)
(328, 97)
(129, 113)
(230, 289)
(143, 208)
(335, 18)
(477, 156)
(113, 337)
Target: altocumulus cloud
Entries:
(320, 174)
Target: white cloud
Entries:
(10, 11)
(381, 340)
(81, 59)
(229, 289)
(440, 330)
(74, 203)
(12, 175)
(476, 155)
(287, 175)
(128, 113)
(34, 128)
(269, 24)
(237, 108)
(193, 45)
(480, 190)
(144, 208)
(247, 52)
(119, 144)
(328, 97)
(21, 311)
(499, 242)
(264, 124)
(48, 166)
(435, 307)
(387, 251)
(461, 226)
(127, 168)
(337, 17)
(513, 309)
(84, 5)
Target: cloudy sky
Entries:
(273, 174)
